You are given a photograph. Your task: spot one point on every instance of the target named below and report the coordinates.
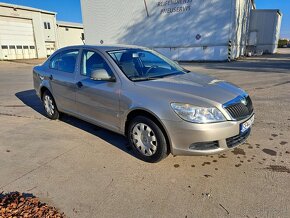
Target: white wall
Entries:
(240, 29)
(126, 22)
(267, 24)
(38, 29)
(68, 35)
(50, 35)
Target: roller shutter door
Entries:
(17, 38)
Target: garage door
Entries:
(16, 38)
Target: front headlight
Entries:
(195, 114)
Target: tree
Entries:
(282, 43)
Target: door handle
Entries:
(79, 84)
(50, 77)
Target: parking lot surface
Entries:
(86, 171)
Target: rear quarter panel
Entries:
(40, 79)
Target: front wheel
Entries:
(50, 106)
(147, 139)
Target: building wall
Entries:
(37, 20)
(68, 35)
(266, 25)
(241, 22)
(50, 35)
(200, 30)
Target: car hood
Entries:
(196, 86)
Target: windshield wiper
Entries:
(170, 74)
(138, 79)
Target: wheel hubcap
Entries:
(144, 139)
(48, 104)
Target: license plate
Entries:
(247, 125)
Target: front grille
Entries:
(239, 111)
(237, 140)
(203, 146)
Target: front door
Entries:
(62, 72)
(97, 101)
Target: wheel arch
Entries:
(149, 114)
(42, 90)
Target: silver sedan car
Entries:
(161, 107)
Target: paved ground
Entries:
(86, 171)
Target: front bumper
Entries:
(204, 139)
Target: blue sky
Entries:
(70, 10)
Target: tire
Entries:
(50, 106)
(147, 139)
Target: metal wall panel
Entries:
(202, 26)
(266, 24)
(180, 29)
(68, 36)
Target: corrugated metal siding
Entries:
(68, 36)
(207, 24)
(267, 24)
(241, 27)
(201, 32)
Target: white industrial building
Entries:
(264, 30)
(27, 33)
(69, 34)
(207, 30)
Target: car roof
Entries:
(105, 48)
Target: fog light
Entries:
(204, 146)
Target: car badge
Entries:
(244, 101)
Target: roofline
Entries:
(278, 11)
(26, 8)
(69, 24)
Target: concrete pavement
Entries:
(86, 171)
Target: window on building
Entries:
(65, 61)
(12, 47)
(25, 47)
(4, 47)
(19, 46)
(32, 47)
(45, 25)
(48, 25)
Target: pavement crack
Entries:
(224, 209)
(275, 85)
(282, 83)
(12, 106)
(42, 165)
(20, 116)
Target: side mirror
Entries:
(102, 75)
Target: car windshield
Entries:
(140, 64)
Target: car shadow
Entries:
(30, 99)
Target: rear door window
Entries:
(65, 61)
(54, 62)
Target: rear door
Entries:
(62, 71)
(97, 101)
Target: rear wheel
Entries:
(50, 106)
(147, 139)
